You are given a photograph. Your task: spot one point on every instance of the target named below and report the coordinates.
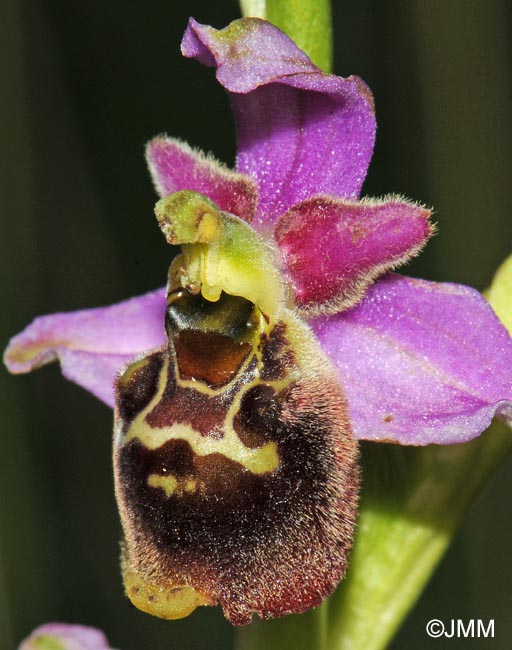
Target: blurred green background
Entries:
(84, 86)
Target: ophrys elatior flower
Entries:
(286, 339)
(63, 636)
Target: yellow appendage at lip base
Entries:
(167, 602)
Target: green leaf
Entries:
(500, 293)
(307, 22)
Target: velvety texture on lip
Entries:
(301, 132)
(243, 490)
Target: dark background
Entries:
(84, 86)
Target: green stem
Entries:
(305, 632)
(413, 501)
(307, 22)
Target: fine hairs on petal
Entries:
(175, 166)
(334, 249)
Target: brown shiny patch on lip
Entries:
(209, 356)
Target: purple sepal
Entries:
(301, 132)
(92, 345)
(334, 249)
(70, 637)
(420, 362)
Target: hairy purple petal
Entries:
(420, 362)
(301, 132)
(175, 166)
(70, 637)
(333, 249)
(92, 345)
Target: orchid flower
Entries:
(281, 339)
(61, 636)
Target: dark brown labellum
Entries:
(236, 471)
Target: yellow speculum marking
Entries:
(166, 601)
(171, 485)
(258, 461)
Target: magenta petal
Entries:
(421, 362)
(92, 345)
(300, 131)
(70, 637)
(333, 249)
(175, 166)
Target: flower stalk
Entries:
(307, 22)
